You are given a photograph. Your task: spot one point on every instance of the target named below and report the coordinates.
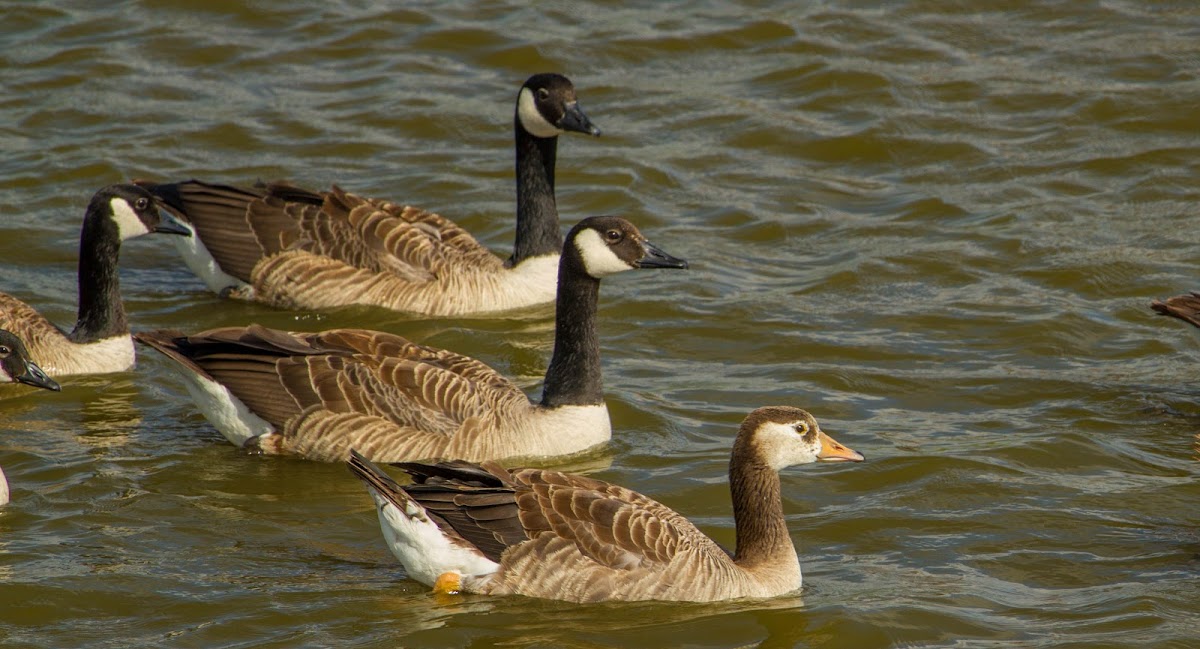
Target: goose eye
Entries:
(613, 236)
(4, 350)
(543, 94)
(802, 428)
(142, 203)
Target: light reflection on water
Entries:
(938, 228)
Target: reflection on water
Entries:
(937, 228)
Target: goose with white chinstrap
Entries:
(317, 395)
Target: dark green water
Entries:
(935, 225)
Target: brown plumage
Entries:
(318, 395)
(548, 534)
(294, 248)
(1184, 307)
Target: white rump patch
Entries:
(201, 262)
(532, 119)
(3, 489)
(422, 547)
(598, 259)
(129, 224)
(224, 411)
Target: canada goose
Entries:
(486, 529)
(294, 248)
(100, 341)
(318, 395)
(17, 367)
(1184, 307)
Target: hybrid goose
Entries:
(16, 367)
(100, 341)
(294, 248)
(318, 395)
(539, 533)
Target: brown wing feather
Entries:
(43, 339)
(614, 526)
(220, 214)
(242, 227)
(328, 392)
(1184, 307)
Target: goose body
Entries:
(294, 248)
(1183, 307)
(317, 395)
(17, 367)
(100, 341)
(490, 530)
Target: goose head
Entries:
(547, 107)
(610, 244)
(16, 367)
(783, 436)
(133, 212)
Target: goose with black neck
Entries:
(294, 248)
(317, 395)
(100, 341)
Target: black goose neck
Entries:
(574, 376)
(538, 231)
(757, 510)
(101, 313)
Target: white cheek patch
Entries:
(598, 259)
(531, 118)
(783, 446)
(129, 225)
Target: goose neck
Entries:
(101, 313)
(538, 230)
(762, 534)
(574, 375)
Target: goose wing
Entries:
(328, 392)
(1184, 307)
(614, 526)
(241, 227)
(496, 509)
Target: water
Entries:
(936, 226)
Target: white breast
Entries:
(101, 357)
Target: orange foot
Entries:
(448, 583)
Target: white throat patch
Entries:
(598, 259)
(128, 223)
(531, 118)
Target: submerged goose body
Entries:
(294, 248)
(317, 395)
(1183, 307)
(100, 341)
(17, 367)
(486, 529)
